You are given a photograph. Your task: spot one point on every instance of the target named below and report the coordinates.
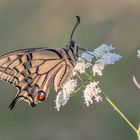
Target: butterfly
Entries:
(33, 70)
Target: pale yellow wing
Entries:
(32, 71)
(61, 76)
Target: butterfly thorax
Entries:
(71, 53)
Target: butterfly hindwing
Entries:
(61, 76)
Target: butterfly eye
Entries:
(41, 96)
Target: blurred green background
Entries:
(48, 23)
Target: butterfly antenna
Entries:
(76, 25)
(87, 51)
(87, 60)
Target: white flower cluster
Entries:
(92, 90)
(64, 94)
(81, 66)
(96, 60)
(97, 69)
(103, 56)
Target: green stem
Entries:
(89, 77)
(76, 91)
(115, 108)
(120, 113)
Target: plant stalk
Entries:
(121, 114)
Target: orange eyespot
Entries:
(41, 96)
